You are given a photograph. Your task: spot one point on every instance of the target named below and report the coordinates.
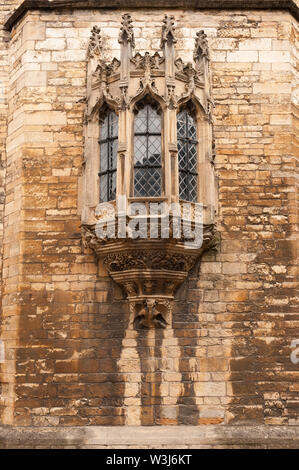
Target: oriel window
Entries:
(108, 154)
(147, 152)
(187, 155)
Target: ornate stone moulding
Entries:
(149, 271)
(170, 81)
(149, 268)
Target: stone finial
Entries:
(168, 31)
(201, 46)
(95, 42)
(126, 31)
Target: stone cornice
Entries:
(29, 5)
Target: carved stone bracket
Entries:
(151, 313)
(149, 271)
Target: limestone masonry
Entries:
(226, 369)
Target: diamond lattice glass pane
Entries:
(192, 158)
(112, 186)
(140, 182)
(183, 185)
(154, 149)
(103, 188)
(154, 121)
(104, 128)
(191, 127)
(182, 154)
(113, 154)
(104, 156)
(141, 121)
(140, 149)
(193, 188)
(181, 124)
(154, 182)
(113, 121)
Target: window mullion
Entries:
(187, 149)
(146, 171)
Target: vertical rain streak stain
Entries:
(149, 350)
(129, 366)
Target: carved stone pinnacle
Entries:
(95, 42)
(126, 31)
(201, 46)
(168, 31)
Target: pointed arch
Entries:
(191, 101)
(103, 103)
(148, 93)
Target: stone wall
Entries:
(71, 359)
(6, 8)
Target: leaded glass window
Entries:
(147, 153)
(187, 155)
(108, 156)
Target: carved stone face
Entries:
(150, 303)
(151, 315)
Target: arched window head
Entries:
(108, 154)
(187, 154)
(147, 150)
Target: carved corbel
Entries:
(151, 313)
(149, 270)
